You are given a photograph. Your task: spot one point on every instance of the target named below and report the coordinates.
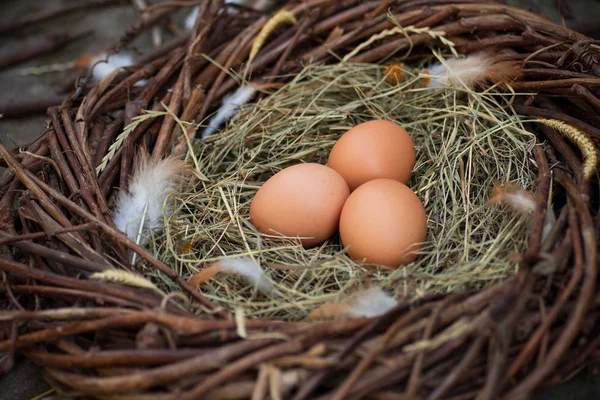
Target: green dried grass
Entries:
(465, 141)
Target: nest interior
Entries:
(465, 142)
(104, 340)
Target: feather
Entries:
(548, 223)
(369, 303)
(248, 269)
(329, 310)
(229, 108)
(280, 17)
(103, 65)
(190, 20)
(206, 274)
(520, 200)
(151, 184)
(471, 71)
(244, 267)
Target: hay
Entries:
(465, 142)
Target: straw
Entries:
(465, 142)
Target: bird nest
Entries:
(499, 303)
(470, 241)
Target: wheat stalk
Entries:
(44, 69)
(460, 328)
(277, 19)
(581, 140)
(148, 114)
(123, 278)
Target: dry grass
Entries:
(464, 143)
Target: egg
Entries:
(383, 222)
(302, 201)
(372, 150)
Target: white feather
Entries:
(248, 269)
(519, 199)
(230, 107)
(459, 72)
(522, 201)
(370, 303)
(548, 223)
(150, 186)
(103, 66)
(191, 19)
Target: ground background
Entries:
(25, 380)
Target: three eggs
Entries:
(361, 192)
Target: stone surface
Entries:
(25, 380)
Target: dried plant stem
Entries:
(590, 157)
(42, 16)
(53, 44)
(39, 235)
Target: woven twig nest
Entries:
(103, 340)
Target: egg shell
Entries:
(383, 222)
(373, 150)
(304, 201)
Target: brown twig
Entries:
(585, 265)
(247, 362)
(29, 107)
(121, 238)
(538, 112)
(40, 235)
(46, 15)
(52, 44)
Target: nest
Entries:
(469, 242)
(499, 334)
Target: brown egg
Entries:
(373, 150)
(383, 222)
(303, 201)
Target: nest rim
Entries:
(472, 325)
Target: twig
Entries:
(29, 107)
(165, 48)
(137, 296)
(587, 95)
(39, 235)
(585, 266)
(142, 25)
(543, 192)
(550, 114)
(52, 44)
(54, 292)
(112, 233)
(43, 16)
(114, 358)
(458, 371)
(155, 31)
(307, 390)
(245, 363)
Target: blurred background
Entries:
(22, 86)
